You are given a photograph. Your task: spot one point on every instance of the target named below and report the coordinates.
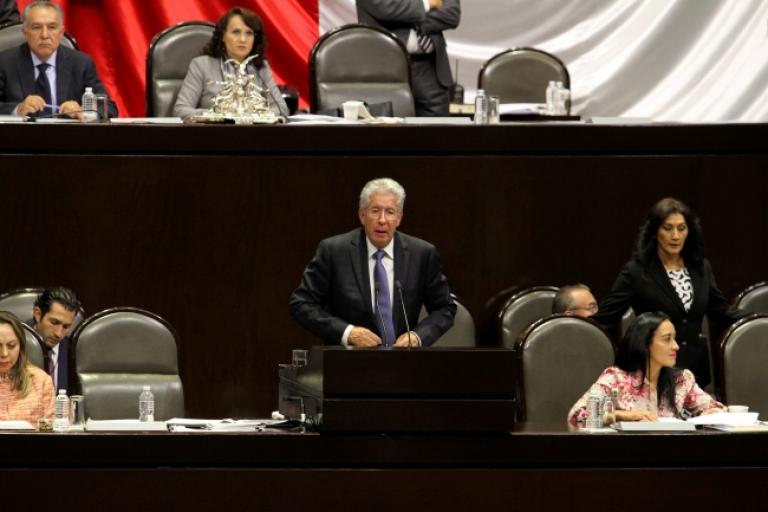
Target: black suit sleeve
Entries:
(437, 300)
(310, 301)
(619, 299)
(9, 12)
(445, 18)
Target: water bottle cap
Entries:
(89, 89)
(145, 388)
(62, 391)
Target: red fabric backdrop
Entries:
(117, 33)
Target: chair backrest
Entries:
(558, 359)
(754, 299)
(20, 302)
(462, 334)
(744, 352)
(33, 345)
(522, 309)
(11, 36)
(359, 62)
(117, 352)
(521, 75)
(168, 58)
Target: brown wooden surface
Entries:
(211, 227)
(538, 467)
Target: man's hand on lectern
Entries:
(403, 341)
(362, 337)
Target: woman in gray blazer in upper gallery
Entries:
(238, 35)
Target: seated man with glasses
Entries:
(40, 77)
(575, 300)
(356, 288)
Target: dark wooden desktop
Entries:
(535, 467)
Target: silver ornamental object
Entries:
(240, 100)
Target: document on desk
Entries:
(146, 120)
(127, 425)
(662, 425)
(726, 420)
(16, 425)
(13, 119)
(214, 425)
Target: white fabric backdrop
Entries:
(669, 60)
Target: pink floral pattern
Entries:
(634, 394)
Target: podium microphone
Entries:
(377, 289)
(405, 315)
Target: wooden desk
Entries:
(537, 466)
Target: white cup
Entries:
(352, 110)
(738, 408)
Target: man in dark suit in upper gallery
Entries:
(350, 292)
(420, 25)
(54, 314)
(40, 73)
(9, 11)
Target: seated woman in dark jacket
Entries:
(668, 273)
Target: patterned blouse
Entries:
(39, 402)
(681, 282)
(634, 396)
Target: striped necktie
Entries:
(424, 40)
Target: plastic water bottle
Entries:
(88, 106)
(594, 410)
(481, 107)
(61, 418)
(146, 405)
(552, 91)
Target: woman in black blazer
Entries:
(668, 273)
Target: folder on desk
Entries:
(654, 426)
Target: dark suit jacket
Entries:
(400, 16)
(9, 12)
(74, 72)
(63, 380)
(335, 289)
(647, 288)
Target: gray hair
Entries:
(382, 186)
(563, 301)
(41, 3)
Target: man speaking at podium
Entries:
(355, 289)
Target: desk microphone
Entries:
(405, 315)
(377, 288)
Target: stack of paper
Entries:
(209, 425)
(16, 425)
(662, 425)
(127, 425)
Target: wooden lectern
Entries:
(449, 390)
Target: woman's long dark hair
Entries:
(633, 354)
(216, 47)
(646, 245)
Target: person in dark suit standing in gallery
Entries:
(353, 291)
(419, 24)
(668, 272)
(9, 11)
(40, 77)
